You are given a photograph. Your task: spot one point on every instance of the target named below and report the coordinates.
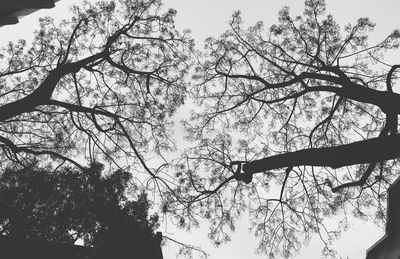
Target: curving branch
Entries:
(18, 149)
(359, 182)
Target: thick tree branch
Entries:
(386, 101)
(361, 152)
(44, 92)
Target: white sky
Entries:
(209, 18)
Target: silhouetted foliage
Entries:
(66, 205)
(295, 123)
(100, 86)
(97, 87)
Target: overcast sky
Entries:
(209, 18)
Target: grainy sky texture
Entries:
(209, 18)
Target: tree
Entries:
(100, 86)
(303, 111)
(294, 124)
(67, 205)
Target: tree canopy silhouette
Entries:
(292, 124)
(99, 86)
(295, 123)
(66, 205)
